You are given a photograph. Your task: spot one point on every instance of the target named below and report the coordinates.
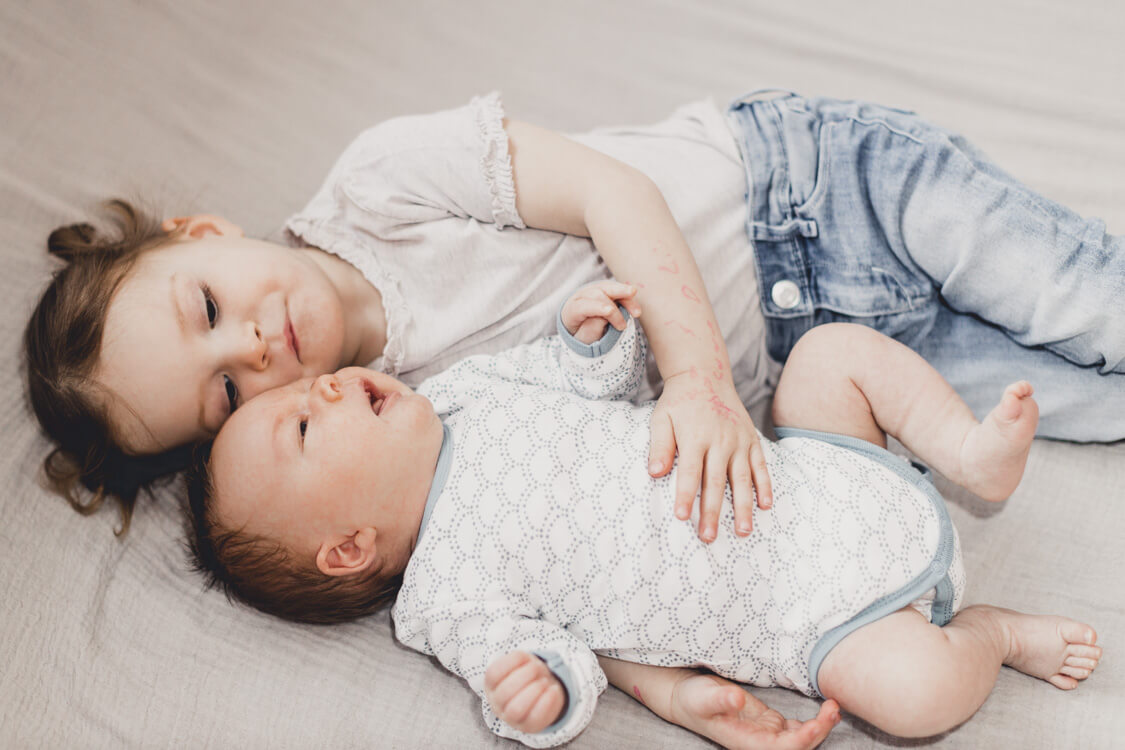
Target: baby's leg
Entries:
(852, 380)
(914, 679)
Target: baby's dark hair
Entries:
(263, 574)
(62, 343)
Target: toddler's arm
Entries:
(564, 186)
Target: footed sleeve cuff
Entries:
(583, 682)
(599, 347)
(559, 668)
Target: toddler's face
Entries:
(202, 325)
(321, 457)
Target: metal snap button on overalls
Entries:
(785, 294)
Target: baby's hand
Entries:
(592, 307)
(524, 692)
(722, 711)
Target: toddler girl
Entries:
(798, 211)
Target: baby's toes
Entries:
(1079, 636)
(1078, 673)
(1062, 682)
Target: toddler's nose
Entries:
(258, 350)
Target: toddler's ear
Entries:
(201, 225)
(346, 555)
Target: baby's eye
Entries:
(304, 427)
(211, 306)
(232, 393)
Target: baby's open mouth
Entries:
(378, 400)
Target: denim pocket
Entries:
(809, 179)
(863, 286)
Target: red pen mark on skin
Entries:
(688, 293)
(675, 269)
(717, 373)
(683, 328)
(637, 692)
(714, 336)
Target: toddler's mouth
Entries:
(291, 338)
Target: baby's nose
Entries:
(327, 387)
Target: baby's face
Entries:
(326, 456)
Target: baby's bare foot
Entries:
(994, 452)
(1056, 649)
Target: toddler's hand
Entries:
(524, 692)
(594, 306)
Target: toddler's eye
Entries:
(210, 305)
(304, 427)
(232, 393)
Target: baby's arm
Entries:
(607, 366)
(717, 708)
(851, 380)
(526, 695)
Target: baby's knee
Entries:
(819, 369)
(831, 340)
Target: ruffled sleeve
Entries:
(412, 170)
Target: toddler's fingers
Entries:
(688, 477)
(661, 445)
(741, 494)
(762, 485)
(500, 668)
(711, 495)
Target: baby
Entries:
(506, 509)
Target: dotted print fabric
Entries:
(550, 536)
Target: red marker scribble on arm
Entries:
(683, 328)
(714, 336)
(684, 290)
(675, 268)
(637, 692)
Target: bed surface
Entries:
(239, 109)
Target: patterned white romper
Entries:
(544, 532)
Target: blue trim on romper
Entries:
(599, 347)
(441, 473)
(557, 666)
(934, 576)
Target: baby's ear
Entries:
(347, 555)
(201, 225)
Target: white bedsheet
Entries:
(239, 108)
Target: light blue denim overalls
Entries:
(871, 215)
